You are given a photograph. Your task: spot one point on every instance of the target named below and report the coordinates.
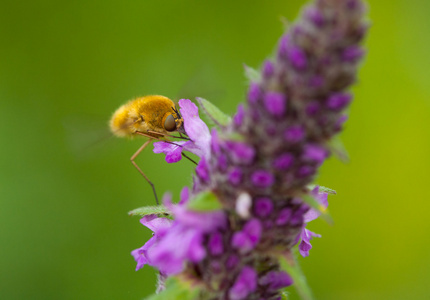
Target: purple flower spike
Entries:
(262, 179)
(245, 284)
(247, 204)
(275, 104)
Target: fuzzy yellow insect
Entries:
(151, 116)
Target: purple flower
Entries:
(245, 284)
(268, 69)
(196, 130)
(248, 237)
(262, 178)
(216, 243)
(315, 153)
(263, 207)
(294, 134)
(338, 101)
(352, 53)
(170, 249)
(284, 161)
(254, 93)
(297, 57)
(235, 176)
(159, 226)
(275, 103)
(240, 152)
(238, 117)
(202, 170)
(305, 245)
(306, 235)
(276, 280)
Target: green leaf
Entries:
(252, 74)
(322, 189)
(338, 149)
(150, 210)
(204, 201)
(290, 265)
(308, 199)
(327, 190)
(176, 290)
(213, 112)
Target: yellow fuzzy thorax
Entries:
(142, 114)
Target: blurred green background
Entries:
(66, 185)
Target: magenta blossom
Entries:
(169, 250)
(159, 227)
(306, 235)
(196, 130)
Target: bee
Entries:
(154, 117)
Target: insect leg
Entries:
(166, 141)
(189, 158)
(140, 171)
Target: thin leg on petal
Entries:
(189, 158)
(140, 171)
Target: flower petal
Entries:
(195, 128)
(305, 244)
(245, 284)
(321, 197)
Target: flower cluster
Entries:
(259, 166)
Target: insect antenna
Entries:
(169, 135)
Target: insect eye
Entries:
(169, 123)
